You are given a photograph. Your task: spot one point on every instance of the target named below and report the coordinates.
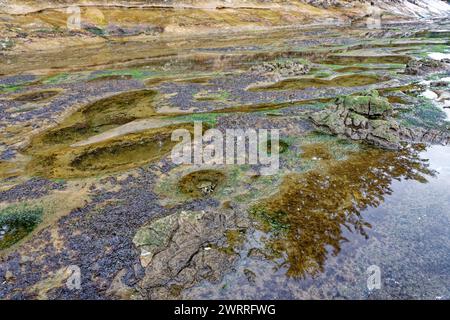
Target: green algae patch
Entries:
(369, 104)
(355, 80)
(97, 117)
(105, 75)
(59, 78)
(424, 114)
(16, 222)
(114, 77)
(221, 95)
(37, 96)
(304, 221)
(205, 117)
(201, 183)
(112, 155)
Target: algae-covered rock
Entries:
(367, 105)
(368, 118)
(364, 117)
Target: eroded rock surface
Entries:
(281, 69)
(180, 250)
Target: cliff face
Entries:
(403, 7)
(22, 21)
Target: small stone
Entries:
(250, 275)
(9, 276)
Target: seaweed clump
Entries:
(16, 222)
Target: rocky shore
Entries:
(86, 117)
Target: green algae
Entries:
(205, 117)
(368, 104)
(59, 78)
(16, 222)
(157, 235)
(221, 95)
(424, 114)
(271, 106)
(433, 34)
(93, 76)
(369, 67)
(340, 81)
(10, 88)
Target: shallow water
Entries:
(406, 227)
(342, 81)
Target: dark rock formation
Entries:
(423, 66)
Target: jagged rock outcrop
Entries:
(281, 69)
(368, 118)
(423, 66)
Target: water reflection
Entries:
(304, 221)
